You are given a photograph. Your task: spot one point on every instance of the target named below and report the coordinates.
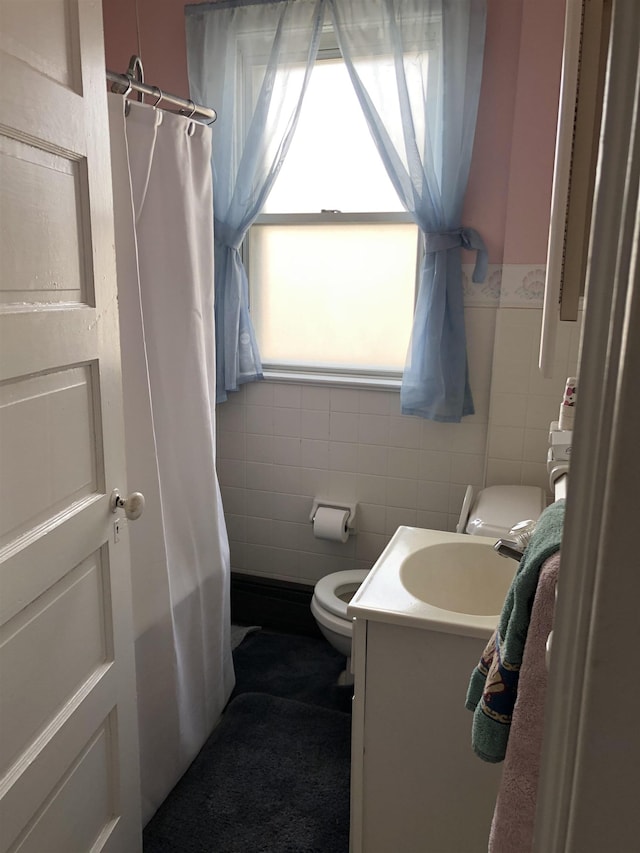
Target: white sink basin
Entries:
(465, 577)
(450, 582)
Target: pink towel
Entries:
(514, 815)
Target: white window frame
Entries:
(363, 378)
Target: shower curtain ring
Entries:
(160, 95)
(127, 91)
(193, 108)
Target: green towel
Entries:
(493, 687)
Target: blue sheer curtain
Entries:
(243, 61)
(423, 126)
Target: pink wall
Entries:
(534, 129)
(509, 193)
(162, 40)
(485, 204)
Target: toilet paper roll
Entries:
(331, 523)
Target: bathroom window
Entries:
(332, 259)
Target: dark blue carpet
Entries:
(293, 667)
(274, 775)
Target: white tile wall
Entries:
(282, 444)
(523, 403)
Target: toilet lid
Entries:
(328, 590)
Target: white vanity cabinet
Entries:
(417, 786)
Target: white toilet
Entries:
(493, 512)
(331, 596)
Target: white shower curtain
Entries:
(179, 547)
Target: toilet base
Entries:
(345, 679)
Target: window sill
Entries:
(337, 380)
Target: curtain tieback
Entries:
(467, 238)
(226, 235)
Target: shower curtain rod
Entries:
(124, 84)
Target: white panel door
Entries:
(68, 738)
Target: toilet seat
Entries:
(329, 588)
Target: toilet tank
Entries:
(496, 509)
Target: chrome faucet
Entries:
(508, 548)
(514, 548)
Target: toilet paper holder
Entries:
(352, 507)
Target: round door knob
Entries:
(133, 506)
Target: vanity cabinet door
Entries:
(417, 785)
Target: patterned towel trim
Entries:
(501, 686)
